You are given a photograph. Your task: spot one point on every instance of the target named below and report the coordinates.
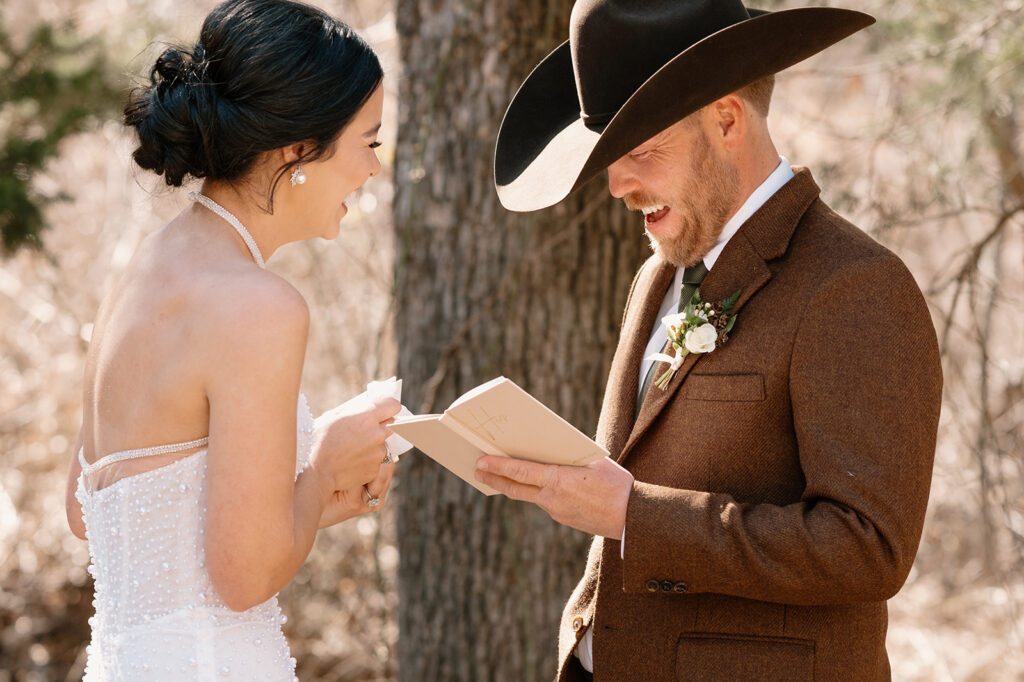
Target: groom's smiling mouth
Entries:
(653, 210)
(653, 214)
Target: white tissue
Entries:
(391, 388)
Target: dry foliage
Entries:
(916, 177)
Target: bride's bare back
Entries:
(143, 383)
(159, 333)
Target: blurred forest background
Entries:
(913, 129)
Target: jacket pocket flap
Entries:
(724, 387)
(723, 658)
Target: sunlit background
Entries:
(914, 132)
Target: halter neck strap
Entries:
(233, 221)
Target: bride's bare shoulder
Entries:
(254, 331)
(254, 303)
(196, 299)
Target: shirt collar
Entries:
(782, 174)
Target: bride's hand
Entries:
(347, 504)
(349, 443)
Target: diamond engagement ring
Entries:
(371, 501)
(388, 458)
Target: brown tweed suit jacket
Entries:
(781, 480)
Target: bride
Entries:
(199, 478)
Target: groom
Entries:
(761, 506)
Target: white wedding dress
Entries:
(158, 617)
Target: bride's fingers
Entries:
(386, 473)
(371, 500)
(378, 487)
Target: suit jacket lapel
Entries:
(623, 378)
(742, 266)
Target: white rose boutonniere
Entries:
(702, 339)
(700, 328)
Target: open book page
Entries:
(497, 418)
(450, 451)
(521, 426)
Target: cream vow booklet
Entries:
(496, 418)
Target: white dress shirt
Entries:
(782, 174)
(670, 304)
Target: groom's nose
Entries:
(621, 180)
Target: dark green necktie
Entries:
(692, 277)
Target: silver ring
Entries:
(371, 501)
(388, 459)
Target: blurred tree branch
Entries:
(941, 180)
(957, 78)
(50, 88)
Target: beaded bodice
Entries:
(146, 540)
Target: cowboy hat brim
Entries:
(545, 151)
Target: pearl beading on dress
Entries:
(90, 469)
(233, 221)
(158, 616)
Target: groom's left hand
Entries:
(591, 498)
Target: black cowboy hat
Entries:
(632, 68)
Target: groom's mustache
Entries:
(639, 200)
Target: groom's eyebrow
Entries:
(372, 131)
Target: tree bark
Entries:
(482, 292)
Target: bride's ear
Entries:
(293, 152)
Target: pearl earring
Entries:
(298, 177)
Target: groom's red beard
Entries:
(702, 206)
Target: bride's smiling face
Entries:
(320, 201)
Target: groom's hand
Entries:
(591, 498)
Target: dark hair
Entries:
(264, 74)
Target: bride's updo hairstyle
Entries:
(264, 74)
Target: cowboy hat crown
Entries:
(616, 45)
(632, 68)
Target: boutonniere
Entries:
(700, 328)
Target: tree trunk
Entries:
(482, 292)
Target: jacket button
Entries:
(666, 586)
(680, 588)
(577, 624)
(653, 586)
